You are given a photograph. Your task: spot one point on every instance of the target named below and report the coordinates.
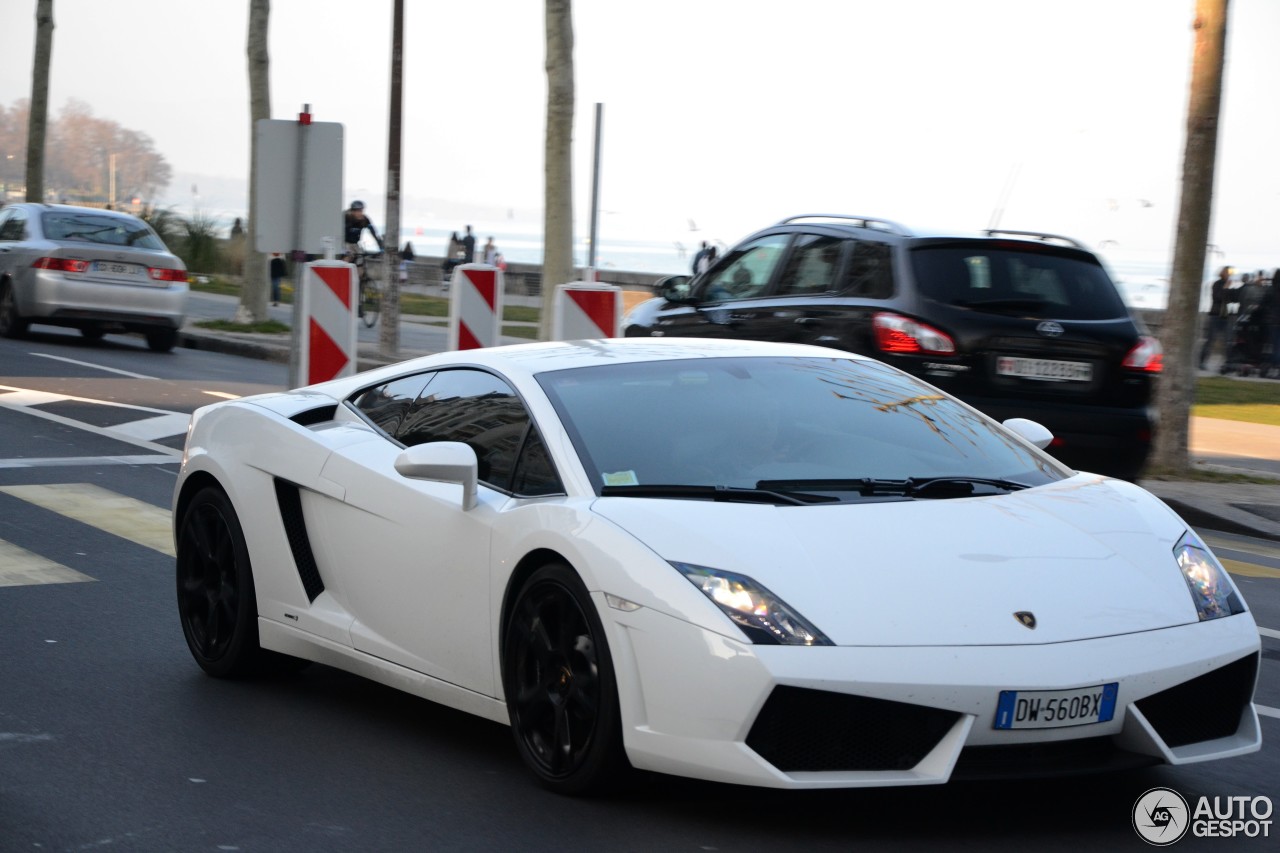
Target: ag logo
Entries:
(1161, 816)
(1050, 329)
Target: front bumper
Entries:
(692, 701)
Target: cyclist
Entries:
(354, 223)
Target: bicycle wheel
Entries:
(370, 301)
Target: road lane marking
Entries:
(1251, 570)
(122, 516)
(1269, 632)
(107, 432)
(1256, 546)
(150, 429)
(20, 567)
(94, 366)
(76, 461)
(1268, 712)
(223, 394)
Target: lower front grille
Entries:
(799, 730)
(1205, 708)
(1034, 760)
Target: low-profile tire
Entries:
(561, 692)
(162, 340)
(216, 601)
(12, 324)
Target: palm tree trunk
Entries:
(253, 296)
(38, 119)
(557, 250)
(1178, 332)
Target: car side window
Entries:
(812, 265)
(535, 475)
(746, 271)
(13, 225)
(870, 271)
(386, 405)
(476, 408)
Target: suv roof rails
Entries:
(862, 221)
(1038, 235)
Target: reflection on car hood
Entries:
(1089, 557)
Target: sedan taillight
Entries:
(1147, 356)
(898, 334)
(160, 274)
(61, 265)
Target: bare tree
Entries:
(39, 117)
(557, 247)
(389, 335)
(1179, 333)
(253, 296)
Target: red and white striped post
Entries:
(328, 333)
(475, 307)
(585, 310)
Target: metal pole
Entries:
(389, 334)
(595, 196)
(299, 253)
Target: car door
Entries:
(13, 223)
(728, 297)
(414, 563)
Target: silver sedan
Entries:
(95, 270)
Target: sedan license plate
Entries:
(1049, 709)
(1043, 368)
(116, 268)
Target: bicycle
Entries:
(370, 303)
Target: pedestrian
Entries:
(1216, 325)
(490, 252)
(708, 260)
(406, 258)
(452, 256)
(697, 258)
(278, 272)
(237, 229)
(468, 247)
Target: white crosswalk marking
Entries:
(20, 567)
(123, 516)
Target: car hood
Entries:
(1088, 556)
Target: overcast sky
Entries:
(1066, 116)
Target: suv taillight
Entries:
(1147, 356)
(61, 265)
(898, 334)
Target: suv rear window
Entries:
(999, 279)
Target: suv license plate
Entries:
(1049, 709)
(1043, 368)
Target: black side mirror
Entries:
(674, 288)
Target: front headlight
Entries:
(763, 617)
(1211, 589)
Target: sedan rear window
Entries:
(91, 227)
(987, 276)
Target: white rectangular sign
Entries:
(276, 193)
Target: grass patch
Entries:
(221, 285)
(529, 332)
(1203, 475)
(1237, 400)
(268, 327)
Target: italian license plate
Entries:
(1050, 709)
(1044, 368)
(116, 268)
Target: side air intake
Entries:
(295, 528)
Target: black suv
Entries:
(1015, 323)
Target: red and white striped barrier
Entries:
(328, 339)
(475, 307)
(584, 309)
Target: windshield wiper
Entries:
(909, 487)
(716, 493)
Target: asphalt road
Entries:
(112, 738)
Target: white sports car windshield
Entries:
(784, 423)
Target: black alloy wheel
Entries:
(216, 601)
(560, 688)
